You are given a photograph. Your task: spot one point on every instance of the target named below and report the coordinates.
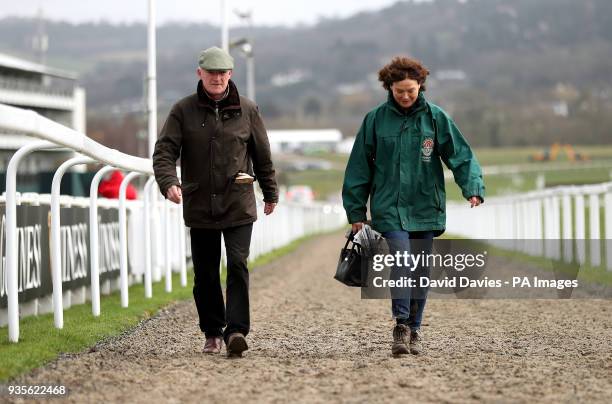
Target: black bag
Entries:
(348, 270)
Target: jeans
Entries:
(405, 307)
(214, 315)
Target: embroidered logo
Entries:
(427, 149)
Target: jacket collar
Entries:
(231, 101)
(419, 105)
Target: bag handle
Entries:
(350, 239)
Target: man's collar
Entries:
(230, 100)
(225, 94)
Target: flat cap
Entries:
(215, 59)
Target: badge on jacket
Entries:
(427, 149)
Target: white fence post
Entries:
(567, 227)
(147, 235)
(123, 261)
(12, 287)
(580, 229)
(183, 248)
(55, 241)
(608, 227)
(594, 236)
(94, 239)
(166, 227)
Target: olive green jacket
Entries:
(396, 162)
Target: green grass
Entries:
(520, 155)
(40, 342)
(324, 183)
(505, 155)
(340, 159)
(497, 185)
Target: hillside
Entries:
(503, 68)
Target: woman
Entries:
(396, 162)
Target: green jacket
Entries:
(396, 162)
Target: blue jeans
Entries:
(407, 309)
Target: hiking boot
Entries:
(213, 345)
(400, 336)
(236, 345)
(416, 338)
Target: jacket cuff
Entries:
(163, 188)
(356, 217)
(477, 190)
(271, 200)
(270, 196)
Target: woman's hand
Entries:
(474, 201)
(355, 227)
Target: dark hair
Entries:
(402, 68)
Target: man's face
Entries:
(215, 82)
(405, 92)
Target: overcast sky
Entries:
(265, 12)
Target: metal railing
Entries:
(289, 221)
(29, 86)
(550, 223)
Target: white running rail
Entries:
(550, 223)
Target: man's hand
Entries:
(355, 227)
(474, 201)
(174, 194)
(269, 208)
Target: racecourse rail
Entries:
(289, 221)
(549, 223)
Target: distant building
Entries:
(301, 140)
(51, 92)
(345, 146)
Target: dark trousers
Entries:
(215, 315)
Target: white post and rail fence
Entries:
(63, 250)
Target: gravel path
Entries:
(314, 340)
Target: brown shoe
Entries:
(213, 345)
(416, 345)
(400, 337)
(236, 345)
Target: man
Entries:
(222, 142)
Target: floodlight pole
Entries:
(152, 78)
(225, 25)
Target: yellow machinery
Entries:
(553, 153)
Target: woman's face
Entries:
(405, 92)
